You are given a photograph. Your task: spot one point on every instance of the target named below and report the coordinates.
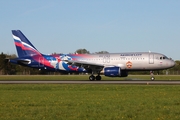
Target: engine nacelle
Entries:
(115, 72)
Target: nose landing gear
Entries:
(152, 76)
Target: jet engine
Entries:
(115, 72)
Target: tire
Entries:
(98, 77)
(152, 78)
(92, 78)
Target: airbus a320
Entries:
(111, 64)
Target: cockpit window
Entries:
(163, 57)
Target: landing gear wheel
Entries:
(152, 78)
(92, 78)
(98, 77)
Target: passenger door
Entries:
(151, 58)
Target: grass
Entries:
(85, 77)
(89, 101)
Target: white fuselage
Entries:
(131, 61)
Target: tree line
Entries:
(7, 68)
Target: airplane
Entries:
(111, 64)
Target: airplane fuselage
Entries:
(126, 61)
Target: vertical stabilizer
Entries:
(23, 46)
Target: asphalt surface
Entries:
(167, 82)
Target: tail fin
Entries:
(23, 46)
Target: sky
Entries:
(63, 26)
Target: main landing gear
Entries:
(92, 77)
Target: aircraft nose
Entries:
(173, 63)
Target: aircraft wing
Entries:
(84, 64)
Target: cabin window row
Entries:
(113, 59)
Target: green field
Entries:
(85, 77)
(89, 101)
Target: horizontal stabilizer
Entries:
(24, 61)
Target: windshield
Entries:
(163, 57)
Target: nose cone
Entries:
(173, 63)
